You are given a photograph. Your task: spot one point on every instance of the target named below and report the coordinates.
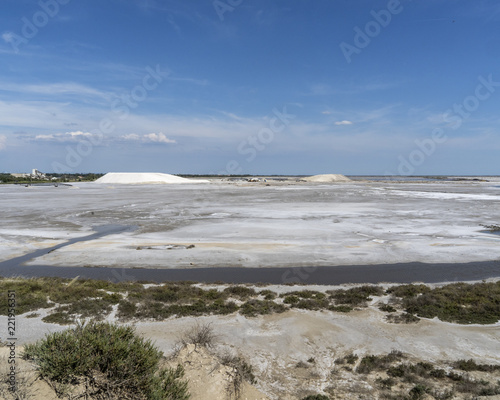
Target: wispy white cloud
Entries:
(3, 142)
(158, 137)
(8, 37)
(36, 114)
(79, 136)
(173, 24)
(226, 127)
(67, 137)
(376, 116)
(148, 138)
(55, 89)
(132, 137)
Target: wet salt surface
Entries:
(352, 232)
(99, 231)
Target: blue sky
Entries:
(254, 87)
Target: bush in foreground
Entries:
(109, 361)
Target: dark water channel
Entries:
(334, 275)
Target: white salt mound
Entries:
(326, 178)
(133, 178)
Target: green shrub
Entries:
(344, 309)
(387, 308)
(438, 373)
(86, 308)
(371, 363)
(126, 310)
(471, 365)
(76, 291)
(306, 294)
(347, 359)
(312, 304)
(411, 372)
(357, 296)
(406, 291)
(417, 392)
(59, 317)
(154, 310)
(108, 359)
(255, 307)
(291, 299)
(241, 292)
(454, 376)
(459, 302)
(268, 294)
(31, 294)
(214, 294)
(386, 383)
(476, 387)
(113, 298)
(222, 307)
(404, 318)
(159, 310)
(164, 294)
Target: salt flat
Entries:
(273, 224)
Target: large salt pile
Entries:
(327, 178)
(133, 178)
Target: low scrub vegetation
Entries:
(107, 361)
(357, 296)
(350, 359)
(254, 307)
(458, 302)
(395, 377)
(387, 308)
(403, 318)
(471, 365)
(73, 300)
(372, 363)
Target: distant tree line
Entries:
(76, 177)
(8, 178)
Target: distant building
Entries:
(35, 174)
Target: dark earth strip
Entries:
(335, 275)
